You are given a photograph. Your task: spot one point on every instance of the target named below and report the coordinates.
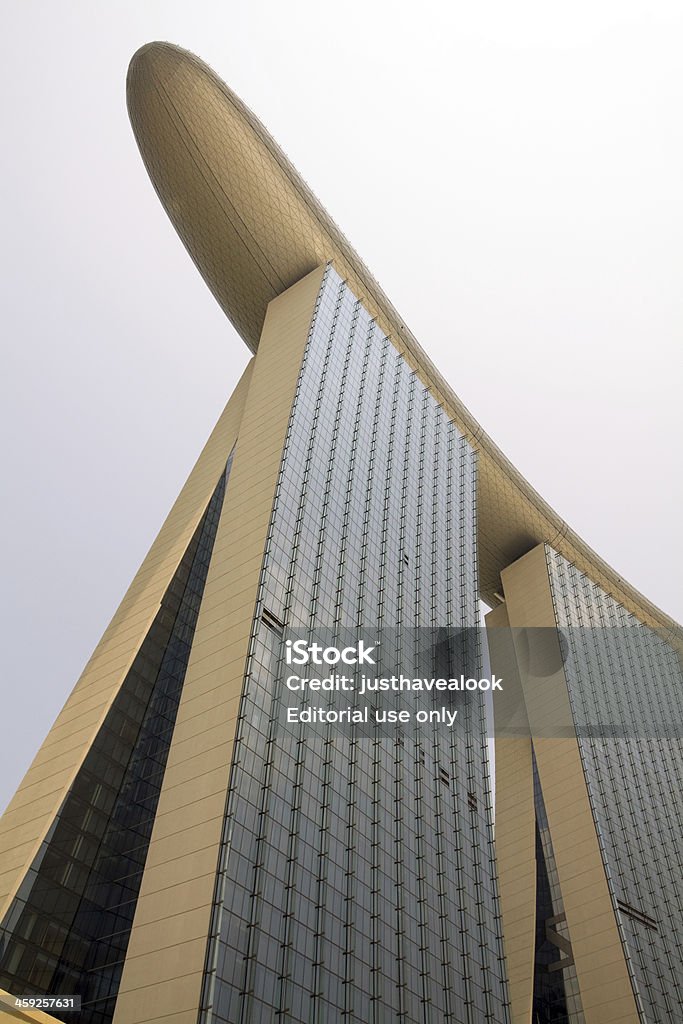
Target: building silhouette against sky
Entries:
(174, 853)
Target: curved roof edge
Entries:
(253, 228)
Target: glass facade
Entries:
(68, 927)
(356, 879)
(627, 677)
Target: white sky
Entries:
(511, 173)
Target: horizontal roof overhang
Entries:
(253, 228)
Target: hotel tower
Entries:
(176, 854)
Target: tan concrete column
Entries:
(603, 978)
(515, 820)
(164, 968)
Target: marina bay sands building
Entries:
(179, 852)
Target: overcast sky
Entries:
(510, 172)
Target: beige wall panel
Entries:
(185, 765)
(198, 813)
(591, 940)
(30, 813)
(153, 938)
(601, 969)
(217, 665)
(201, 787)
(187, 842)
(169, 873)
(164, 964)
(213, 700)
(179, 1017)
(174, 999)
(198, 724)
(230, 655)
(174, 901)
(215, 627)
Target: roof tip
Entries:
(146, 50)
(146, 58)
